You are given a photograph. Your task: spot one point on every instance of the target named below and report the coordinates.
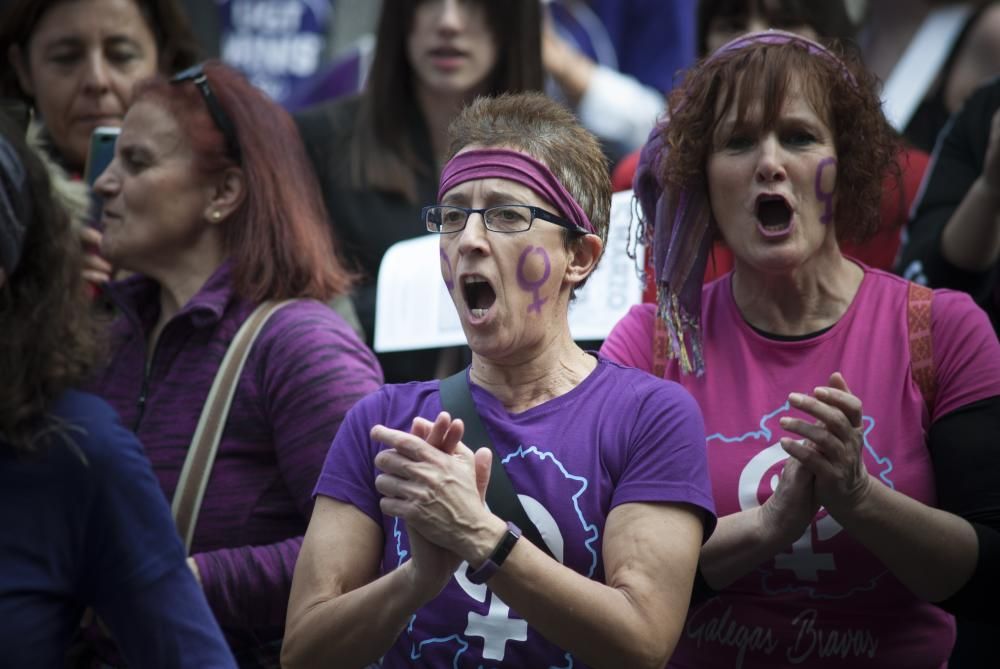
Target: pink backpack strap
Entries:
(918, 321)
(659, 348)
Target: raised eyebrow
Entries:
(498, 198)
(134, 150)
(802, 123)
(454, 200)
(726, 129)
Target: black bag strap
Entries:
(456, 399)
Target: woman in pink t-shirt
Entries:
(850, 416)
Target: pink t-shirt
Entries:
(826, 601)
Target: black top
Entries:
(931, 114)
(367, 222)
(955, 167)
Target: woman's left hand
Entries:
(833, 447)
(438, 492)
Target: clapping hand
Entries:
(833, 446)
(437, 485)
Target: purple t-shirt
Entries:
(825, 601)
(620, 436)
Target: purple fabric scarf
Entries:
(681, 231)
(518, 167)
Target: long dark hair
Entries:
(50, 335)
(382, 152)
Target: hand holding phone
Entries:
(101, 152)
(96, 269)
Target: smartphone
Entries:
(99, 156)
(102, 150)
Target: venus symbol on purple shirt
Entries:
(825, 196)
(446, 271)
(533, 286)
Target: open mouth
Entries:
(774, 215)
(479, 295)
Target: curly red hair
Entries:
(759, 76)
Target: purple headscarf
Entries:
(681, 242)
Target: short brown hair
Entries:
(843, 91)
(544, 129)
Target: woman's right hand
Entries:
(96, 269)
(792, 507)
(428, 557)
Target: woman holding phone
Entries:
(211, 204)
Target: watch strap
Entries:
(496, 558)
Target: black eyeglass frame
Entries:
(536, 212)
(196, 75)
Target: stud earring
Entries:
(216, 215)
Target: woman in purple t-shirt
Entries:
(402, 560)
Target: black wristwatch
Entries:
(497, 557)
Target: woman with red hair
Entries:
(851, 416)
(211, 203)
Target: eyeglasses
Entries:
(445, 219)
(197, 76)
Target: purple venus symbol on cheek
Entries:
(446, 272)
(533, 286)
(823, 195)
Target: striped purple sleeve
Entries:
(310, 368)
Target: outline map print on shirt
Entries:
(498, 627)
(810, 555)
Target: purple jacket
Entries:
(306, 369)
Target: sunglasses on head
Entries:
(197, 76)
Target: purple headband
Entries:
(782, 37)
(513, 166)
(682, 242)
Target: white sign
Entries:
(413, 309)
